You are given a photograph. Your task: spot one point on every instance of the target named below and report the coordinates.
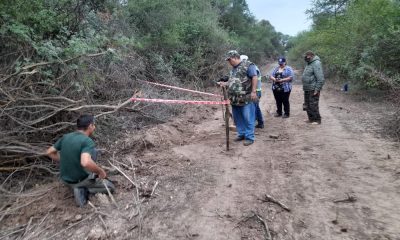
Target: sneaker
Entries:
(278, 115)
(81, 195)
(248, 142)
(260, 126)
(315, 123)
(238, 139)
(285, 116)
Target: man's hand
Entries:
(53, 154)
(222, 84)
(316, 93)
(102, 174)
(253, 96)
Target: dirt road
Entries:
(339, 179)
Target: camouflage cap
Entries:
(231, 54)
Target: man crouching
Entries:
(77, 154)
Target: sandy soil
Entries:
(340, 180)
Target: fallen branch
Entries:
(124, 174)
(341, 108)
(154, 188)
(100, 217)
(109, 194)
(72, 225)
(267, 233)
(268, 198)
(266, 228)
(348, 199)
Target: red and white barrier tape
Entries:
(180, 101)
(181, 89)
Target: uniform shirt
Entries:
(70, 147)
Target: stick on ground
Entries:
(268, 198)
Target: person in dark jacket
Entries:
(313, 80)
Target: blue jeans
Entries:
(259, 116)
(245, 117)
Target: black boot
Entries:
(81, 195)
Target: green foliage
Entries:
(357, 39)
(189, 36)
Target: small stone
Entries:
(78, 217)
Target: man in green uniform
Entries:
(313, 80)
(77, 154)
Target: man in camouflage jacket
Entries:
(313, 80)
(242, 87)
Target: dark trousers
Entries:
(92, 182)
(282, 98)
(311, 103)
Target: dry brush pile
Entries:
(39, 102)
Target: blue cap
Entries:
(281, 60)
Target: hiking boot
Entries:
(285, 115)
(278, 115)
(260, 126)
(248, 142)
(238, 139)
(81, 195)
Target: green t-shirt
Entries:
(70, 147)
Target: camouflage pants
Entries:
(311, 105)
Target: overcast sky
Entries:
(287, 16)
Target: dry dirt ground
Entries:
(340, 180)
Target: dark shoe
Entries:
(238, 139)
(278, 115)
(248, 142)
(260, 126)
(285, 116)
(81, 195)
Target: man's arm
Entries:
(89, 164)
(53, 154)
(319, 75)
(254, 81)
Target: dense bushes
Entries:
(63, 57)
(358, 40)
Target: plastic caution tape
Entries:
(181, 89)
(180, 101)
